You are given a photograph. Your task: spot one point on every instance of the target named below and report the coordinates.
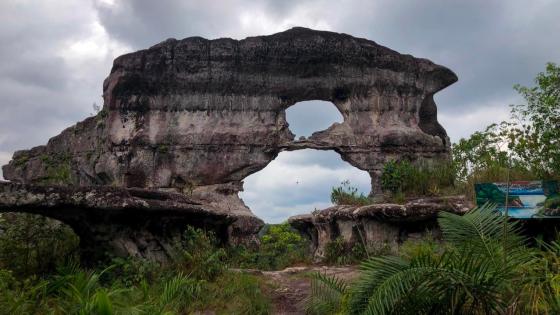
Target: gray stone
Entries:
(122, 221)
(197, 116)
(377, 226)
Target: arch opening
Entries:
(305, 118)
(298, 182)
(35, 244)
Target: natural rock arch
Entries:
(307, 117)
(298, 182)
(197, 116)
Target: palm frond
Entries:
(327, 294)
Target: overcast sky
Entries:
(54, 55)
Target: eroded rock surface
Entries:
(122, 221)
(197, 116)
(378, 226)
(194, 112)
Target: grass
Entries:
(196, 279)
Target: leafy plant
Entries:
(34, 244)
(527, 144)
(346, 194)
(280, 247)
(402, 178)
(328, 295)
(198, 254)
(192, 283)
(486, 268)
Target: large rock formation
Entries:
(377, 226)
(198, 116)
(122, 221)
(194, 112)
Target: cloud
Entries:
(55, 54)
(308, 117)
(298, 182)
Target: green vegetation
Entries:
(33, 245)
(346, 194)
(420, 179)
(339, 252)
(528, 144)
(58, 168)
(39, 274)
(280, 247)
(21, 159)
(485, 267)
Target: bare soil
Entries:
(289, 288)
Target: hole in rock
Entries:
(307, 117)
(298, 182)
(35, 244)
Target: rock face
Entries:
(197, 116)
(122, 221)
(378, 226)
(195, 112)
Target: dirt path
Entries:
(290, 287)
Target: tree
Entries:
(535, 137)
(529, 142)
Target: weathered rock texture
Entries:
(378, 226)
(198, 116)
(122, 221)
(194, 112)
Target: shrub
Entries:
(33, 244)
(485, 268)
(420, 179)
(280, 247)
(346, 194)
(198, 254)
(196, 281)
(339, 252)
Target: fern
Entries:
(327, 294)
(481, 271)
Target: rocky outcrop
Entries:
(197, 116)
(122, 221)
(194, 112)
(378, 226)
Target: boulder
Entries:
(123, 221)
(377, 226)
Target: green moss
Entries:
(162, 148)
(58, 168)
(21, 160)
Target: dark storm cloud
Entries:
(55, 54)
(44, 86)
(492, 45)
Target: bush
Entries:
(421, 179)
(339, 252)
(199, 254)
(33, 244)
(484, 268)
(196, 281)
(280, 247)
(346, 194)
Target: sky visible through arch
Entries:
(298, 182)
(55, 54)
